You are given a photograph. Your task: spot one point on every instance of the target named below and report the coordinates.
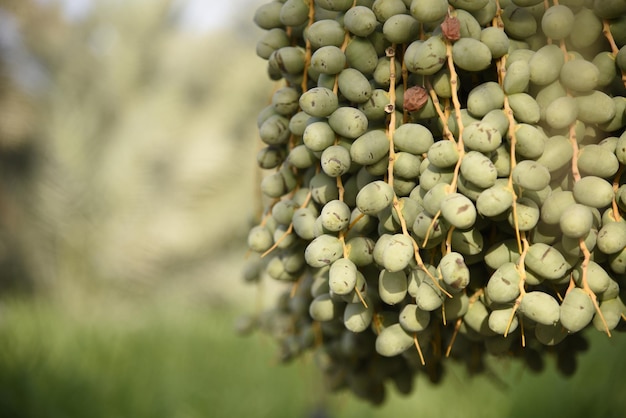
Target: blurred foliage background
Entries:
(127, 185)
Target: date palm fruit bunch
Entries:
(443, 181)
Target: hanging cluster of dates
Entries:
(443, 182)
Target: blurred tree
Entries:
(126, 151)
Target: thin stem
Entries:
(307, 48)
(585, 284)
(419, 349)
(289, 230)
(513, 143)
(522, 284)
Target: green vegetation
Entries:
(161, 356)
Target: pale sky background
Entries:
(199, 14)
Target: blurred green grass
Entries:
(111, 356)
(156, 363)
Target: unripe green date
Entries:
(540, 307)
(275, 130)
(425, 57)
(397, 253)
(271, 41)
(369, 147)
(325, 32)
(557, 153)
(557, 22)
(323, 251)
(323, 308)
(469, 242)
(612, 237)
(413, 138)
(294, 12)
(319, 102)
(561, 112)
(593, 191)
(503, 285)
(374, 197)
(595, 107)
(360, 20)
(530, 141)
(478, 169)
(392, 341)
(576, 221)
(429, 10)
(577, 310)
(471, 54)
(288, 59)
(400, 28)
(531, 175)
(481, 136)
(443, 154)
(545, 65)
(609, 9)
(267, 16)
(605, 63)
(354, 86)
(458, 210)
(469, 5)
(503, 321)
(469, 26)
(328, 60)
(555, 204)
(427, 296)
(494, 201)
(485, 98)
(375, 107)
(285, 101)
(385, 9)
(596, 160)
(546, 261)
(526, 214)
(342, 276)
(414, 319)
(519, 23)
(550, 334)
(588, 29)
(392, 286)
(597, 278)
(525, 108)
(357, 317)
(361, 55)
(612, 311)
(496, 40)
(406, 165)
(441, 83)
(348, 122)
(318, 136)
(454, 271)
(323, 188)
(579, 75)
(501, 253)
(477, 318)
